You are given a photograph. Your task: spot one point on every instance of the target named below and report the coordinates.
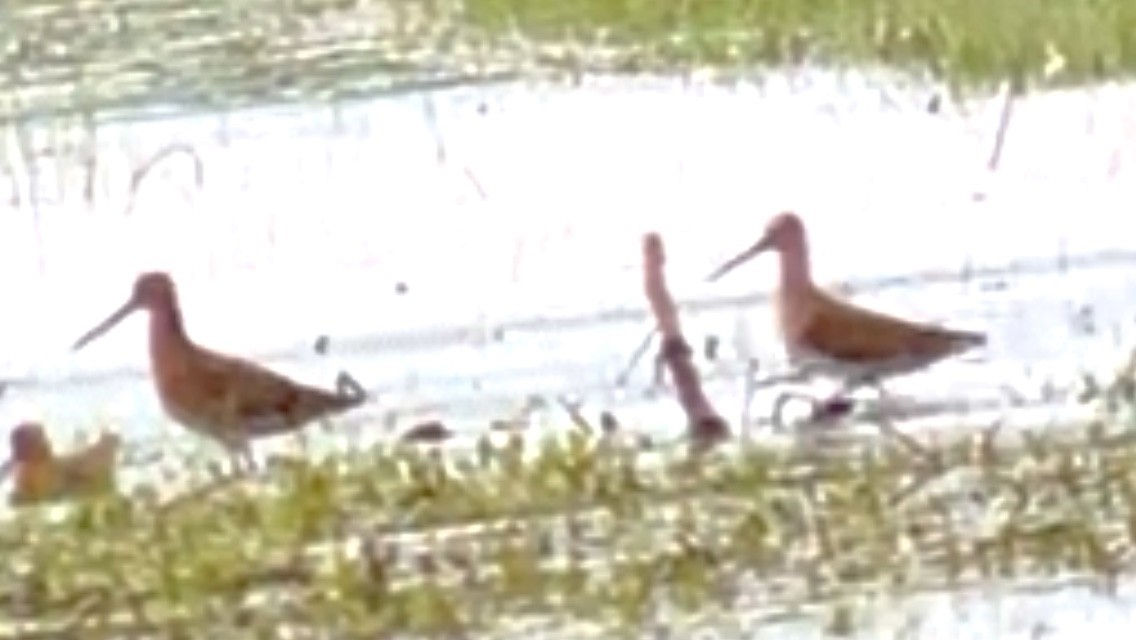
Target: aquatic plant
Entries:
(580, 526)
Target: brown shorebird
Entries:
(831, 337)
(229, 399)
(42, 475)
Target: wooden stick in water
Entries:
(706, 425)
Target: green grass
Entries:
(122, 55)
(584, 529)
(969, 41)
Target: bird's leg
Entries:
(832, 408)
(877, 385)
(250, 461)
(840, 403)
(749, 392)
(236, 464)
(783, 399)
(233, 438)
(241, 459)
(659, 378)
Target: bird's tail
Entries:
(350, 389)
(346, 402)
(348, 395)
(305, 404)
(92, 467)
(935, 342)
(345, 398)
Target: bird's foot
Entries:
(820, 412)
(832, 408)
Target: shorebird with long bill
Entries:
(228, 399)
(42, 475)
(825, 335)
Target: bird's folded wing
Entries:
(853, 334)
(229, 392)
(94, 465)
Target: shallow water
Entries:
(513, 206)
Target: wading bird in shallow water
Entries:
(828, 336)
(225, 398)
(41, 475)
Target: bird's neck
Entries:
(38, 455)
(796, 275)
(166, 329)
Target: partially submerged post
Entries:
(706, 425)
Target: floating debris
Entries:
(432, 431)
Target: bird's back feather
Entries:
(854, 334)
(234, 399)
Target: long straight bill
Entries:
(105, 325)
(738, 260)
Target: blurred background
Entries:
(448, 196)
